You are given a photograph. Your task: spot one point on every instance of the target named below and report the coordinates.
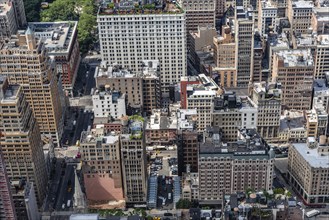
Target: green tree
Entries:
(60, 10)
(32, 10)
(278, 191)
(183, 204)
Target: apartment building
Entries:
(161, 128)
(151, 86)
(299, 13)
(320, 19)
(258, 74)
(201, 99)
(224, 57)
(316, 121)
(133, 35)
(185, 83)
(292, 127)
(267, 15)
(101, 152)
(198, 13)
(321, 93)
(8, 24)
(187, 141)
(61, 40)
(142, 89)
(7, 208)
(109, 104)
(267, 98)
(308, 170)
(133, 162)
(294, 70)
(321, 58)
(23, 161)
(232, 167)
(232, 112)
(25, 61)
(244, 52)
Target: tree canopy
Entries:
(82, 10)
(32, 10)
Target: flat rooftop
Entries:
(250, 143)
(58, 36)
(292, 120)
(157, 121)
(113, 71)
(133, 7)
(315, 159)
(323, 39)
(302, 4)
(296, 58)
(10, 95)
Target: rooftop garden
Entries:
(116, 9)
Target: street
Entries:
(66, 189)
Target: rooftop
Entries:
(98, 135)
(151, 68)
(10, 95)
(186, 118)
(271, 90)
(58, 36)
(323, 39)
(160, 121)
(229, 100)
(134, 7)
(249, 143)
(312, 156)
(292, 120)
(296, 58)
(302, 4)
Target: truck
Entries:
(312, 213)
(169, 196)
(68, 203)
(74, 122)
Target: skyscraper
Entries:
(24, 61)
(244, 38)
(137, 34)
(7, 209)
(21, 140)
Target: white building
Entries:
(141, 34)
(109, 104)
(267, 16)
(321, 94)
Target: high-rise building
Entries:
(7, 20)
(19, 13)
(61, 40)
(24, 60)
(308, 170)
(294, 70)
(133, 162)
(142, 89)
(7, 208)
(220, 7)
(232, 167)
(24, 157)
(224, 56)
(267, 97)
(299, 13)
(258, 74)
(244, 53)
(198, 13)
(321, 58)
(267, 16)
(232, 112)
(136, 34)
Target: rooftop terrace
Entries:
(133, 7)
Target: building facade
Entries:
(308, 170)
(25, 61)
(300, 15)
(61, 40)
(8, 22)
(23, 157)
(294, 70)
(232, 167)
(267, 97)
(130, 38)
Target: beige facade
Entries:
(8, 25)
(21, 140)
(198, 13)
(320, 19)
(308, 170)
(267, 98)
(300, 15)
(316, 122)
(133, 162)
(223, 170)
(25, 61)
(321, 59)
(294, 70)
